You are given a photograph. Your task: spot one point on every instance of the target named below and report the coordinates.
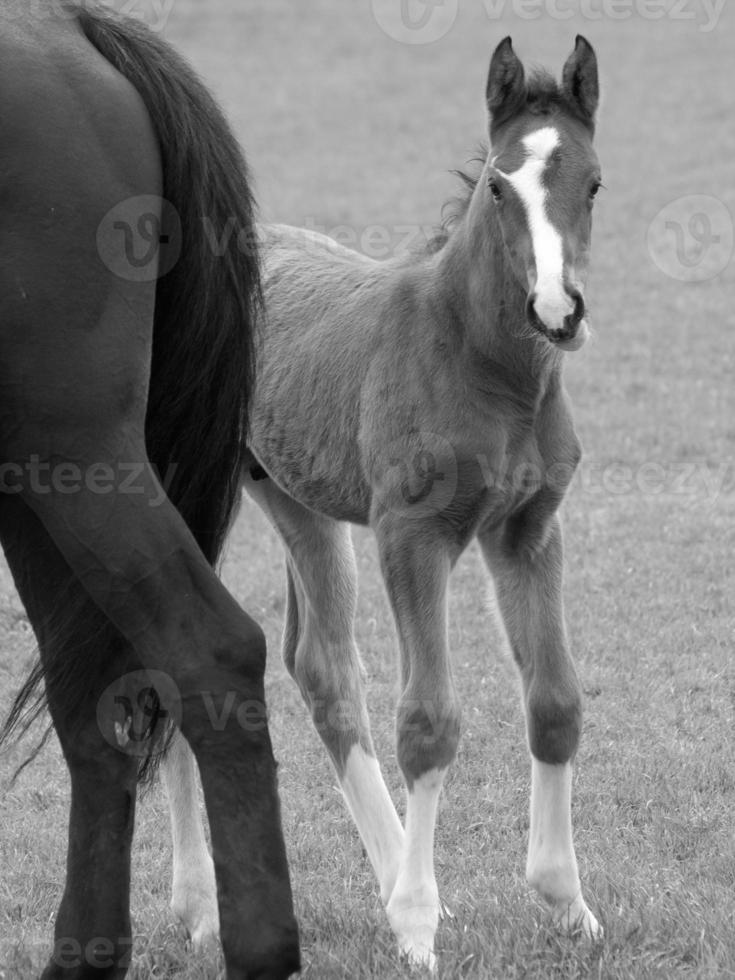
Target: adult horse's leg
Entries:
(320, 653)
(142, 568)
(193, 889)
(526, 563)
(416, 565)
(93, 923)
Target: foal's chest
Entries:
(501, 472)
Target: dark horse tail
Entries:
(203, 337)
(206, 306)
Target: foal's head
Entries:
(542, 176)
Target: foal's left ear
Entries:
(579, 78)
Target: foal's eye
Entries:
(594, 189)
(495, 189)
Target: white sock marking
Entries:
(193, 890)
(552, 865)
(372, 810)
(413, 910)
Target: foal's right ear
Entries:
(506, 84)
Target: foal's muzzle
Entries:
(573, 333)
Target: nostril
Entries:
(577, 315)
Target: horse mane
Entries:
(455, 208)
(544, 97)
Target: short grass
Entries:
(344, 126)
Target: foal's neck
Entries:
(476, 283)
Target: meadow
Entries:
(348, 129)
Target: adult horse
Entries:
(125, 344)
(423, 396)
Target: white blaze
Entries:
(552, 301)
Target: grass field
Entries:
(346, 128)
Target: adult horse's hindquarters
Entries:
(105, 369)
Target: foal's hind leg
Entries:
(193, 888)
(320, 652)
(526, 563)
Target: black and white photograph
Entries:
(367, 489)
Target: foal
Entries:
(424, 397)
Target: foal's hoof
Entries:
(575, 916)
(194, 903)
(415, 927)
(200, 921)
(205, 932)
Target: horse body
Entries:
(423, 396)
(371, 363)
(101, 121)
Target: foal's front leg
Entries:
(526, 563)
(416, 565)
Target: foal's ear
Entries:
(579, 78)
(506, 85)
